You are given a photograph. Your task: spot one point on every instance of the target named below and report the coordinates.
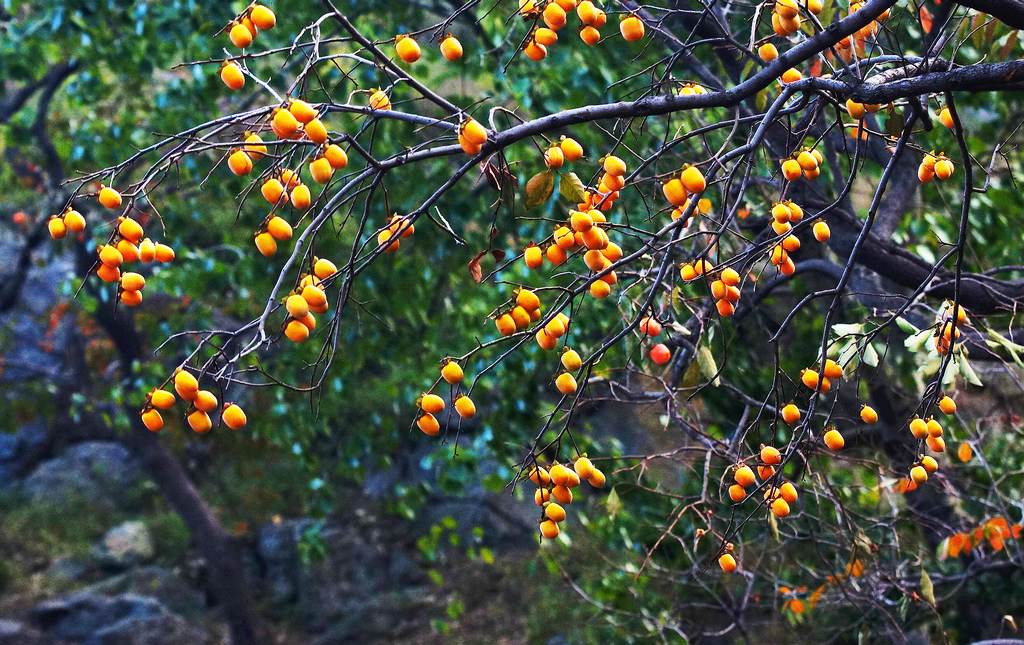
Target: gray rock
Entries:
(125, 545)
(66, 570)
(13, 632)
(80, 615)
(21, 451)
(127, 619)
(162, 584)
(277, 549)
(34, 351)
(99, 472)
(8, 460)
(157, 630)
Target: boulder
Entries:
(277, 550)
(13, 632)
(102, 473)
(21, 451)
(164, 585)
(127, 619)
(125, 545)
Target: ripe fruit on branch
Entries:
(428, 425)
(232, 76)
(947, 405)
(109, 197)
(266, 244)
(152, 420)
(535, 51)
(473, 132)
(572, 150)
(56, 227)
(553, 157)
(660, 354)
(186, 385)
(316, 131)
(379, 100)
(868, 414)
(822, 232)
(452, 373)
(321, 170)
(590, 35)
(451, 48)
(780, 508)
(407, 48)
(233, 416)
(254, 146)
(918, 428)
(631, 28)
(565, 383)
(791, 75)
(284, 124)
(744, 476)
(301, 197)
(240, 35)
(262, 17)
(161, 399)
(767, 52)
(465, 407)
(240, 163)
(946, 117)
(834, 440)
(693, 180)
(727, 562)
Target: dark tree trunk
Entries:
(226, 578)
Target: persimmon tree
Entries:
(728, 229)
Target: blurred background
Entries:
(347, 525)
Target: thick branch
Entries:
(1009, 11)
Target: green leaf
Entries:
(905, 325)
(917, 341)
(927, 589)
(613, 503)
(708, 367)
(571, 188)
(968, 372)
(870, 356)
(847, 329)
(539, 188)
(1013, 349)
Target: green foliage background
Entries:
(416, 307)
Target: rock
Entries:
(8, 459)
(13, 632)
(159, 630)
(125, 545)
(127, 619)
(166, 586)
(102, 473)
(380, 620)
(40, 349)
(79, 615)
(66, 570)
(277, 549)
(21, 451)
(365, 587)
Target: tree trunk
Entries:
(227, 578)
